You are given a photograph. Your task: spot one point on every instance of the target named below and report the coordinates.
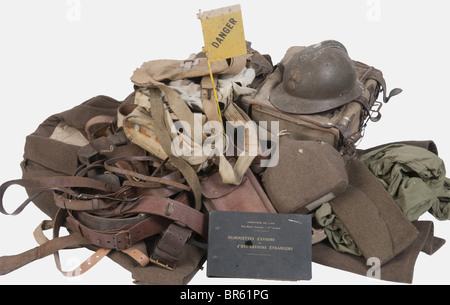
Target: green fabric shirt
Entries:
(414, 177)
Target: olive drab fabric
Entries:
(414, 176)
(335, 230)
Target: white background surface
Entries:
(56, 54)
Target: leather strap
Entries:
(169, 247)
(48, 247)
(107, 224)
(110, 166)
(102, 145)
(14, 262)
(82, 268)
(90, 262)
(139, 253)
(104, 120)
(123, 238)
(85, 204)
(52, 183)
(146, 206)
(170, 209)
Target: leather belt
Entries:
(114, 218)
(52, 183)
(122, 234)
(122, 238)
(107, 224)
(171, 209)
(169, 247)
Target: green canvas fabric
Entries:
(335, 230)
(414, 176)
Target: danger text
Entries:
(226, 30)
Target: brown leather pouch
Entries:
(246, 197)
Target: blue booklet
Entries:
(259, 245)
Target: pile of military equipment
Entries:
(135, 180)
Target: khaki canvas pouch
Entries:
(194, 66)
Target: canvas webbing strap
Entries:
(14, 262)
(230, 174)
(234, 175)
(162, 131)
(208, 99)
(48, 247)
(90, 262)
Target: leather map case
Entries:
(259, 245)
(246, 197)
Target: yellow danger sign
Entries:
(223, 32)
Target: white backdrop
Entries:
(56, 54)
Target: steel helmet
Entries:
(320, 77)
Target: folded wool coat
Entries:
(372, 219)
(400, 269)
(407, 244)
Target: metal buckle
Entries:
(188, 63)
(157, 262)
(117, 242)
(375, 114)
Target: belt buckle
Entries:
(128, 238)
(157, 262)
